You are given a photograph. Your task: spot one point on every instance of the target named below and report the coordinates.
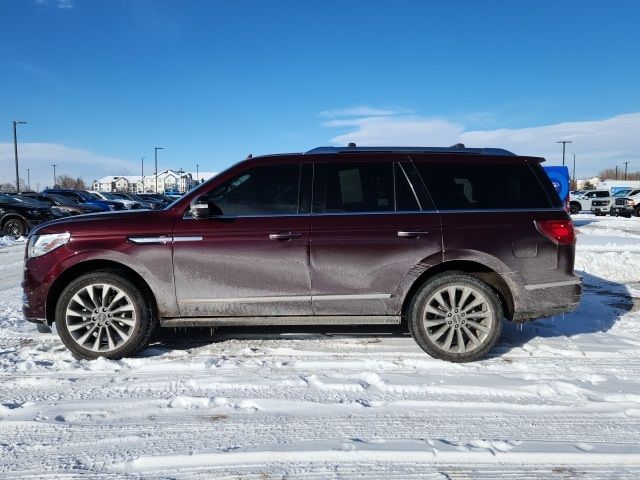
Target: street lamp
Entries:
(28, 179)
(197, 173)
(625, 169)
(15, 152)
(155, 152)
(616, 172)
(54, 175)
(564, 144)
(575, 185)
(142, 173)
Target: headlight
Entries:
(34, 212)
(41, 244)
(111, 207)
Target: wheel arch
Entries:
(90, 266)
(471, 267)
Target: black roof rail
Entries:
(457, 148)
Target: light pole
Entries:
(155, 152)
(616, 172)
(15, 152)
(197, 173)
(54, 175)
(28, 179)
(142, 173)
(564, 144)
(575, 185)
(625, 169)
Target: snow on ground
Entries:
(558, 398)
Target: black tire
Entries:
(15, 227)
(416, 316)
(636, 212)
(574, 208)
(139, 334)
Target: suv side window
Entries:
(602, 194)
(489, 186)
(353, 187)
(265, 190)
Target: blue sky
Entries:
(102, 82)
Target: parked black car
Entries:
(17, 217)
(62, 203)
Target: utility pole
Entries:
(54, 175)
(142, 174)
(564, 144)
(28, 179)
(155, 152)
(15, 152)
(625, 169)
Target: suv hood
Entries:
(96, 223)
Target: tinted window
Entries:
(463, 186)
(602, 194)
(268, 190)
(405, 197)
(353, 187)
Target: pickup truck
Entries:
(627, 205)
(602, 206)
(578, 203)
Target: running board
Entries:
(292, 320)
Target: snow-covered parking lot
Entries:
(558, 398)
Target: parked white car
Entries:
(578, 203)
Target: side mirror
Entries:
(200, 207)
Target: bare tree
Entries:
(588, 186)
(610, 174)
(67, 181)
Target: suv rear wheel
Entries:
(102, 314)
(455, 317)
(574, 208)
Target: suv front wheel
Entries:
(102, 314)
(455, 317)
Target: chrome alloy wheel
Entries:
(100, 317)
(458, 319)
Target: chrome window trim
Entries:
(388, 212)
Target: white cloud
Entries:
(61, 4)
(39, 157)
(598, 144)
(362, 111)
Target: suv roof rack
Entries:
(457, 148)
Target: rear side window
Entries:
(484, 186)
(353, 187)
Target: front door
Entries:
(369, 233)
(250, 257)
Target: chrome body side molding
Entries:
(283, 320)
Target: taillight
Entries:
(558, 231)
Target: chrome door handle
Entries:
(284, 236)
(412, 234)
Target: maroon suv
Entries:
(448, 240)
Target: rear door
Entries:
(369, 234)
(489, 208)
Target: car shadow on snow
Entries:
(603, 302)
